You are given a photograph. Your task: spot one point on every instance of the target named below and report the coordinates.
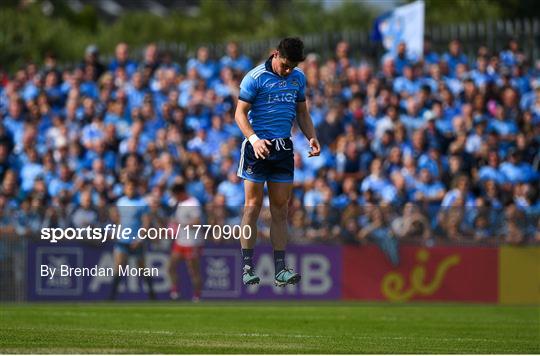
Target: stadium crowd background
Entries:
(436, 149)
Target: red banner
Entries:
(438, 273)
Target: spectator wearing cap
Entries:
(91, 58)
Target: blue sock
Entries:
(279, 260)
(247, 257)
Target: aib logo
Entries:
(393, 283)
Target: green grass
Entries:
(259, 327)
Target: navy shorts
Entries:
(277, 167)
(128, 250)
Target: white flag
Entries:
(404, 24)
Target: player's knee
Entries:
(279, 202)
(279, 211)
(252, 207)
(253, 202)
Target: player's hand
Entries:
(315, 147)
(261, 148)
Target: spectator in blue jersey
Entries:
(477, 128)
(13, 122)
(122, 60)
(512, 56)
(132, 213)
(401, 59)
(480, 74)
(272, 95)
(343, 60)
(30, 170)
(406, 84)
(429, 192)
(430, 56)
(454, 56)
(136, 91)
(232, 190)
(235, 60)
(206, 68)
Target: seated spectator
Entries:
(454, 56)
(205, 67)
(378, 231)
(235, 60)
(412, 225)
(122, 60)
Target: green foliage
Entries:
(456, 11)
(26, 34)
(439, 12)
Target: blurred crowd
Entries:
(439, 148)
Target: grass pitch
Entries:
(260, 327)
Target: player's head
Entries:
(178, 190)
(288, 54)
(130, 188)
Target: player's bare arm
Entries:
(260, 146)
(306, 125)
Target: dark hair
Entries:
(292, 49)
(178, 188)
(132, 181)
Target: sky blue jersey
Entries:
(273, 100)
(131, 212)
